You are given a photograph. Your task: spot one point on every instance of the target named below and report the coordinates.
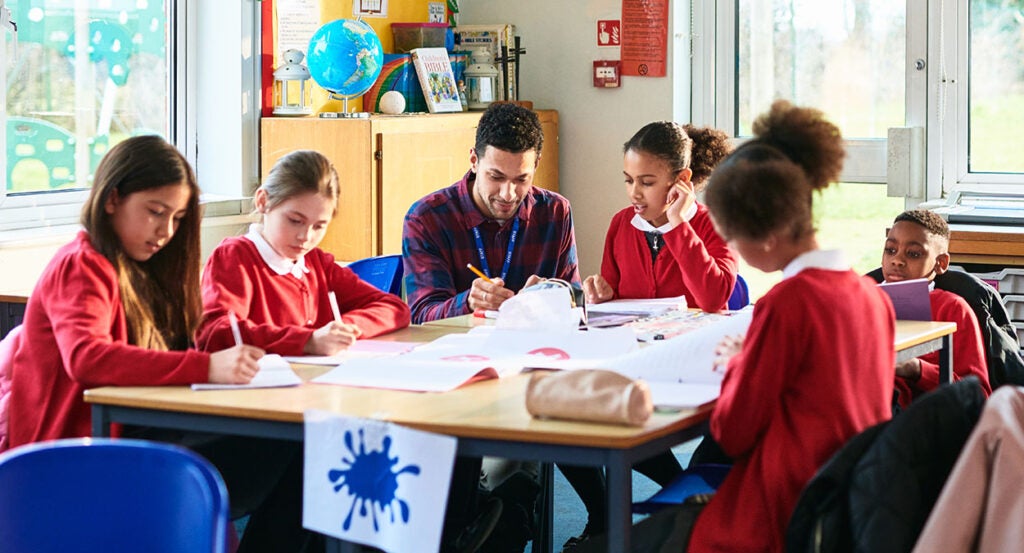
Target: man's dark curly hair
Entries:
(509, 127)
(931, 221)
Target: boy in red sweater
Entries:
(917, 246)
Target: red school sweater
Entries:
(696, 262)
(968, 351)
(280, 312)
(815, 369)
(75, 337)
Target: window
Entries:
(984, 112)
(847, 58)
(164, 67)
(64, 110)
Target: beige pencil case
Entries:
(591, 395)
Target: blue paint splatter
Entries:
(371, 480)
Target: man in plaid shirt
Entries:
(515, 234)
(495, 219)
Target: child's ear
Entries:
(111, 202)
(684, 175)
(941, 263)
(259, 200)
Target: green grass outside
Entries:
(851, 217)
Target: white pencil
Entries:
(334, 306)
(234, 328)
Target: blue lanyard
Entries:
(484, 266)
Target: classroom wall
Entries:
(560, 39)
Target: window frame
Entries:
(715, 85)
(952, 92)
(196, 48)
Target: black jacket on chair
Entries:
(998, 336)
(874, 495)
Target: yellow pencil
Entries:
(477, 272)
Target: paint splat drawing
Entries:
(372, 481)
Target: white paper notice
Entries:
(375, 483)
(297, 20)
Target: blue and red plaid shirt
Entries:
(438, 242)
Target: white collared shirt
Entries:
(275, 261)
(642, 224)
(830, 260)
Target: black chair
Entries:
(1002, 351)
(874, 495)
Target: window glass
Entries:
(65, 110)
(845, 57)
(996, 82)
(852, 217)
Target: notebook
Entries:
(910, 299)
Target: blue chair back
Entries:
(87, 494)
(384, 272)
(740, 297)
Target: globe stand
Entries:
(344, 113)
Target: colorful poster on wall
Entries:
(644, 37)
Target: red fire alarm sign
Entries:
(606, 73)
(609, 32)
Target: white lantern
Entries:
(481, 79)
(292, 72)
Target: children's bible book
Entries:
(437, 79)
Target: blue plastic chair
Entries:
(99, 494)
(384, 272)
(694, 480)
(740, 297)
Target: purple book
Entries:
(910, 299)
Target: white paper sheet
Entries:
(362, 348)
(416, 375)
(674, 396)
(687, 358)
(647, 308)
(375, 483)
(274, 372)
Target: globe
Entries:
(345, 57)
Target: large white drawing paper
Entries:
(484, 352)
(375, 483)
(362, 348)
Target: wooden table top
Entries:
(490, 409)
(912, 333)
(13, 296)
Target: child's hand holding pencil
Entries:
(334, 336)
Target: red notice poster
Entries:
(644, 37)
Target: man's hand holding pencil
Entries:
(486, 293)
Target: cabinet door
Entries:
(547, 170)
(346, 142)
(412, 165)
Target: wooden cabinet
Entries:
(986, 244)
(384, 164)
